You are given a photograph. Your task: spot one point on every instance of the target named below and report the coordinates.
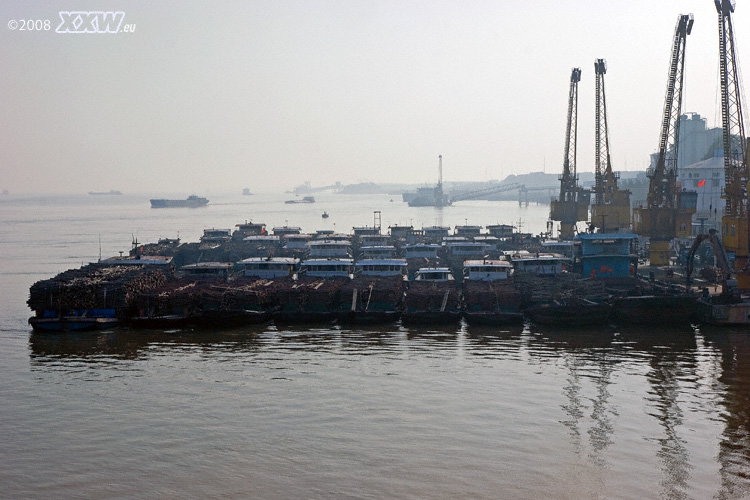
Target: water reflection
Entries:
(734, 447)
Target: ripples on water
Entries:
(332, 413)
(389, 412)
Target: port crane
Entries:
(734, 222)
(610, 211)
(573, 204)
(668, 211)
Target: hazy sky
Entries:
(219, 96)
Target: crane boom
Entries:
(572, 205)
(735, 221)
(611, 208)
(668, 212)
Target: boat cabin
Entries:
(249, 228)
(327, 268)
(467, 231)
(296, 241)
(282, 230)
(435, 233)
(371, 240)
(500, 230)
(422, 251)
(466, 249)
(381, 267)
(539, 264)
(269, 267)
(365, 230)
(378, 252)
(218, 270)
(607, 255)
(434, 274)
(402, 232)
(329, 248)
(487, 270)
(566, 248)
(216, 235)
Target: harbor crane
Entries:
(610, 211)
(669, 210)
(573, 204)
(734, 223)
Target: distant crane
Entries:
(610, 211)
(668, 211)
(735, 229)
(573, 204)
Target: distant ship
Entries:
(192, 201)
(111, 191)
(306, 199)
(246, 192)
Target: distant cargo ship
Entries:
(111, 191)
(192, 201)
(306, 199)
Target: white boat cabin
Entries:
(487, 270)
(378, 252)
(467, 230)
(269, 267)
(216, 235)
(296, 241)
(434, 274)
(540, 264)
(329, 248)
(381, 267)
(208, 269)
(466, 248)
(422, 251)
(374, 240)
(327, 268)
(282, 230)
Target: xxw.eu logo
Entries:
(90, 22)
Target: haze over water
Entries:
(390, 412)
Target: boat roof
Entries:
(607, 236)
(381, 262)
(209, 265)
(488, 262)
(271, 260)
(331, 262)
(261, 237)
(423, 270)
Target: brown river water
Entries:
(336, 413)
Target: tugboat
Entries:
(325, 215)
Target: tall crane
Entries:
(668, 211)
(611, 209)
(735, 230)
(572, 205)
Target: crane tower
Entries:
(668, 211)
(735, 230)
(610, 211)
(572, 205)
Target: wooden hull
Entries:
(569, 315)
(70, 323)
(490, 318)
(655, 309)
(430, 317)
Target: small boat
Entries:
(325, 215)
